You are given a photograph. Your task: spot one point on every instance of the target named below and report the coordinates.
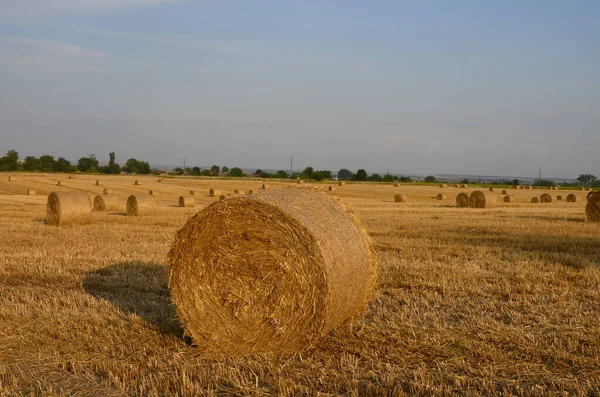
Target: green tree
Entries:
(405, 179)
(361, 175)
(282, 174)
(515, 182)
(143, 167)
(388, 178)
(236, 171)
(10, 162)
(225, 169)
(62, 165)
(131, 166)
(31, 163)
(430, 178)
(317, 176)
(46, 163)
(464, 181)
(88, 164)
(376, 178)
(344, 174)
(215, 170)
(196, 170)
(177, 171)
(586, 179)
(326, 174)
(308, 172)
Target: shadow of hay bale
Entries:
(136, 288)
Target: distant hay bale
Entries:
(106, 191)
(71, 177)
(214, 193)
(31, 192)
(300, 181)
(284, 278)
(152, 192)
(250, 191)
(559, 198)
(192, 193)
(535, 200)
(515, 186)
(395, 185)
(400, 198)
(159, 180)
(97, 182)
(479, 199)
(340, 183)
(222, 197)
(545, 198)
(457, 185)
(462, 200)
(443, 185)
(529, 187)
(265, 187)
(59, 183)
(571, 198)
(106, 203)
(186, 201)
(12, 178)
(442, 196)
(331, 189)
(509, 199)
(589, 189)
(239, 192)
(504, 192)
(141, 205)
(137, 183)
(68, 208)
(521, 187)
(491, 189)
(592, 208)
(582, 189)
(464, 186)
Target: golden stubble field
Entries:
(501, 301)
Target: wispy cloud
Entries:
(50, 56)
(24, 9)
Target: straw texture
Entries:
(509, 199)
(535, 200)
(270, 273)
(141, 205)
(400, 198)
(106, 203)
(106, 191)
(545, 198)
(559, 198)
(589, 195)
(265, 186)
(68, 208)
(592, 208)
(571, 198)
(442, 196)
(31, 192)
(462, 200)
(479, 199)
(186, 201)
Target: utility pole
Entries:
(540, 178)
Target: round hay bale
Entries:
(97, 182)
(106, 191)
(12, 178)
(529, 187)
(592, 208)
(31, 192)
(340, 183)
(589, 195)
(589, 189)
(559, 198)
(270, 273)
(571, 198)
(265, 187)
(300, 181)
(71, 177)
(68, 208)
(535, 200)
(239, 192)
(521, 187)
(59, 183)
(250, 191)
(159, 180)
(462, 200)
(192, 193)
(545, 198)
(504, 192)
(152, 192)
(137, 183)
(141, 205)
(464, 186)
(582, 189)
(331, 189)
(186, 201)
(222, 197)
(509, 199)
(106, 203)
(400, 198)
(457, 185)
(442, 185)
(214, 193)
(395, 185)
(491, 189)
(479, 199)
(442, 196)
(515, 187)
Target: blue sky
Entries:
(472, 87)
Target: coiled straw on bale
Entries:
(479, 199)
(545, 198)
(141, 205)
(106, 192)
(68, 208)
(106, 203)
(592, 208)
(265, 187)
(192, 193)
(462, 200)
(400, 198)
(571, 198)
(214, 193)
(509, 199)
(535, 200)
(442, 196)
(270, 273)
(186, 201)
(559, 198)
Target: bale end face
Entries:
(400, 198)
(479, 199)
(186, 201)
(535, 200)
(462, 200)
(545, 198)
(571, 198)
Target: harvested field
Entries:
(500, 301)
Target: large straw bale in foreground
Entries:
(400, 198)
(141, 205)
(68, 208)
(271, 272)
(571, 198)
(462, 200)
(106, 203)
(545, 198)
(592, 209)
(186, 201)
(479, 199)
